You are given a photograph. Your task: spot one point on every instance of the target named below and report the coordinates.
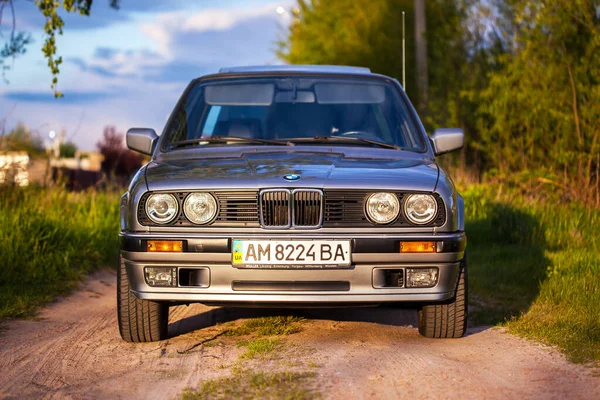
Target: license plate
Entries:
(290, 253)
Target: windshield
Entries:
(294, 110)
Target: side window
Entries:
(211, 120)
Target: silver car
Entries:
(294, 186)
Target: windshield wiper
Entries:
(224, 139)
(339, 139)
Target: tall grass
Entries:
(49, 240)
(535, 266)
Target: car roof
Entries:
(321, 69)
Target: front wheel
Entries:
(449, 319)
(139, 320)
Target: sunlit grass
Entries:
(49, 240)
(269, 326)
(534, 266)
(246, 384)
(258, 347)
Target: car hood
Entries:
(252, 170)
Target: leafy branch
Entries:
(18, 41)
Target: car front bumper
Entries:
(357, 284)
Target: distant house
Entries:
(79, 172)
(14, 168)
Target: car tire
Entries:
(139, 320)
(449, 319)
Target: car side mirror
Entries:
(141, 140)
(445, 140)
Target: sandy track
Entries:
(73, 350)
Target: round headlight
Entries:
(383, 208)
(420, 208)
(162, 208)
(200, 208)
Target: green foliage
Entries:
(258, 347)
(67, 150)
(540, 108)
(246, 384)
(43, 253)
(54, 24)
(22, 139)
(534, 266)
(269, 326)
(14, 47)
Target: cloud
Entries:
(30, 17)
(168, 29)
(115, 63)
(105, 53)
(47, 97)
(191, 45)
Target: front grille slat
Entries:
(275, 208)
(308, 204)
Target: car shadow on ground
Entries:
(209, 317)
(206, 317)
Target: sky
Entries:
(128, 67)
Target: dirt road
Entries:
(73, 350)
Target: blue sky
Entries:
(128, 67)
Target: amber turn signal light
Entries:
(171, 246)
(417, 247)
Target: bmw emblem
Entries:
(291, 177)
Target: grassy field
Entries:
(49, 240)
(535, 267)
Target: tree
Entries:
(421, 52)
(22, 139)
(17, 42)
(119, 161)
(539, 111)
(67, 150)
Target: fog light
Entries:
(417, 247)
(421, 277)
(161, 276)
(173, 246)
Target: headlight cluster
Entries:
(199, 208)
(383, 208)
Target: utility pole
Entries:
(421, 54)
